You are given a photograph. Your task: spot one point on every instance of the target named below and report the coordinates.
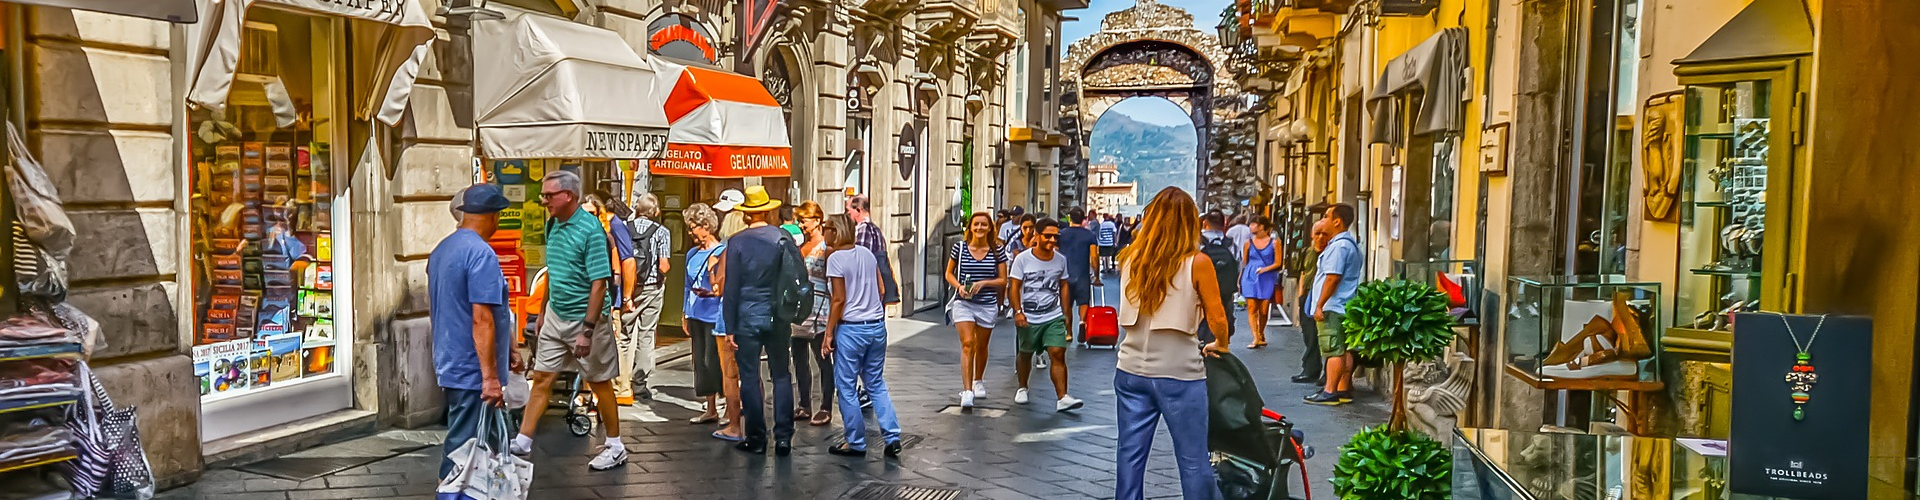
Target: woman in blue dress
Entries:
(1259, 277)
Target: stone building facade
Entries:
(922, 94)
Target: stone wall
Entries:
(102, 101)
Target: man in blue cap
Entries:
(472, 332)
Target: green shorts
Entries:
(1040, 336)
(1333, 335)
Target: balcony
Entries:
(949, 20)
(997, 30)
(886, 8)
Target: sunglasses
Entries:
(1050, 236)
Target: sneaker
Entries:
(1325, 398)
(1020, 396)
(1345, 396)
(1040, 361)
(979, 390)
(966, 399)
(609, 457)
(1068, 403)
(521, 446)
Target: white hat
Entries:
(729, 199)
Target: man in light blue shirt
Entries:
(1337, 276)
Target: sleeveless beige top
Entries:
(1162, 344)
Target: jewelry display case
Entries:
(1459, 279)
(1595, 332)
(1724, 186)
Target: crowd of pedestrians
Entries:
(752, 258)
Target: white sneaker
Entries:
(1020, 396)
(521, 446)
(609, 457)
(966, 399)
(1068, 403)
(979, 390)
(1040, 361)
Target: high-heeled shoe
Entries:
(1626, 330)
(1572, 348)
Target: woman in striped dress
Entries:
(976, 269)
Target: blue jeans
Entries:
(753, 408)
(1143, 401)
(464, 411)
(860, 356)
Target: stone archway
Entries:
(1149, 50)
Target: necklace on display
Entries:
(1800, 378)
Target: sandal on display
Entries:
(1626, 330)
(1617, 369)
(1574, 347)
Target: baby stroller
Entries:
(580, 403)
(1252, 446)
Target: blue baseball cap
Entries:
(483, 199)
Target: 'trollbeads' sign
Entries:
(1800, 405)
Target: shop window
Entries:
(264, 173)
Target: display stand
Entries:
(1591, 335)
(39, 381)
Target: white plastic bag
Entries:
(517, 390)
(483, 469)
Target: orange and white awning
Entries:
(724, 125)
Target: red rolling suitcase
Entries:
(1101, 327)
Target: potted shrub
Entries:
(1396, 322)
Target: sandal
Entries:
(721, 435)
(1256, 345)
(801, 414)
(703, 419)
(823, 418)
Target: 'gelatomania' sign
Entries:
(622, 144)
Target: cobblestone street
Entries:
(1026, 452)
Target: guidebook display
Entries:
(264, 240)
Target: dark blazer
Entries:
(753, 266)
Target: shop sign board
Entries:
(1799, 430)
(722, 162)
(621, 143)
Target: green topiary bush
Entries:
(1396, 322)
(1382, 463)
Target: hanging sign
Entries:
(1800, 405)
(909, 151)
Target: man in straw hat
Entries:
(754, 260)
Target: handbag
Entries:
(482, 467)
(111, 463)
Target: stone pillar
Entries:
(104, 99)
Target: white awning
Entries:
(560, 89)
(173, 11)
(403, 46)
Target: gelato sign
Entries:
(723, 162)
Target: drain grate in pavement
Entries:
(977, 411)
(875, 491)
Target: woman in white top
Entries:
(856, 337)
(1169, 288)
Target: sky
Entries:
(1206, 15)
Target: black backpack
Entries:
(647, 263)
(794, 291)
(1225, 267)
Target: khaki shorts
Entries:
(554, 352)
(1333, 335)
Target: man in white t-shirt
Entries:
(857, 330)
(1241, 234)
(1039, 286)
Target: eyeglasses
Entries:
(548, 195)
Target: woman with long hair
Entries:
(856, 336)
(977, 270)
(1259, 277)
(1168, 288)
(806, 335)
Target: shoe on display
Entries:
(1619, 368)
(609, 457)
(1020, 396)
(1626, 330)
(1324, 398)
(1068, 403)
(979, 390)
(966, 399)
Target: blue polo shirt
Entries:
(576, 255)
(463, 271)
(1342, 257)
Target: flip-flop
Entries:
(731, 439)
